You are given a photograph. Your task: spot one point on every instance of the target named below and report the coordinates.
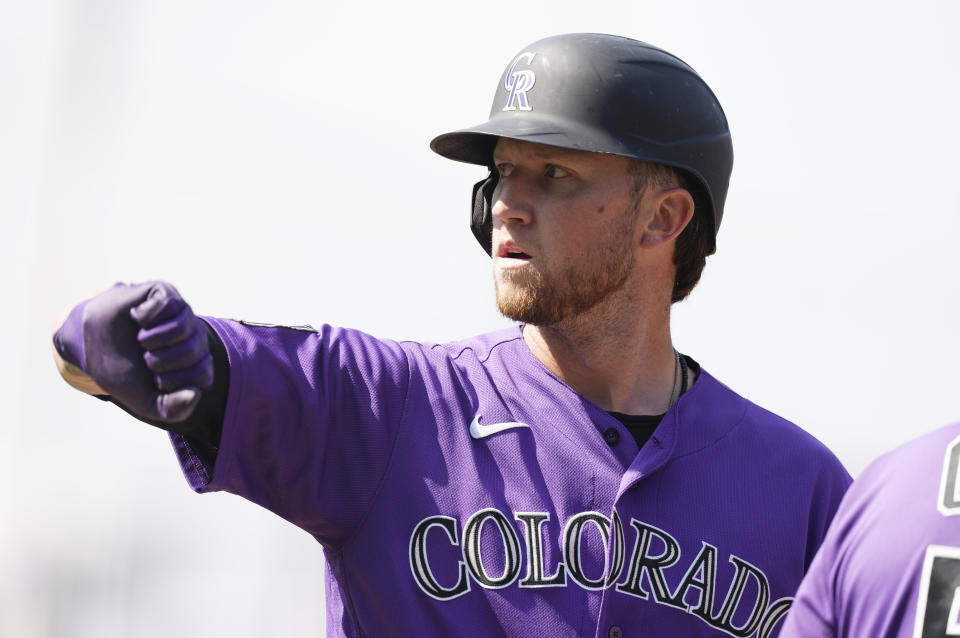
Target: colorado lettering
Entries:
(653, 570)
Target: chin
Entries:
(527, 304)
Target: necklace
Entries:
(679, 370)
(673, 387)
(683, 373)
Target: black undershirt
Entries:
(641, 426)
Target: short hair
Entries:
(695, 242)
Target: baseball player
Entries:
(890, 564)
(573, 475)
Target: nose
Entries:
(511, 204)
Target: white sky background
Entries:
(271, 160)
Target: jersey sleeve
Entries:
(833, 482)
(310, 422)
(812, 613)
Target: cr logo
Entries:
(517, 83)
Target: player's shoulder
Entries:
(918, 455)
(780, 437)
(476, 348)
(935, 440)
(715, 400)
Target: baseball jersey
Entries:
(890, 565)
(463, 488)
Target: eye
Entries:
(555, 172)
(504, 169)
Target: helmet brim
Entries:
(475, 145)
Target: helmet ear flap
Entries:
(481, 215)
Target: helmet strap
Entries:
(481, 215)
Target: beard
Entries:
(544, 298)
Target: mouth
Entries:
(512, 252)
(513, 258)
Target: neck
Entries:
(617, 355)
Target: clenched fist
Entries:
(142, 345)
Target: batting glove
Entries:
(143, 346)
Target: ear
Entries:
(672, 211)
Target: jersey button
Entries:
(615, 632)
(611, 436)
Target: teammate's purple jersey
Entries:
(463, 489)
(890, 565)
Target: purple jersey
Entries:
(463, 488)
(890, 565)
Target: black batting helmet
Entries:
(605, 94)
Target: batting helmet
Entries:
(605, 94)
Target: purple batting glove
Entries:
(143, 345)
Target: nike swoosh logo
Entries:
(479, 431)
